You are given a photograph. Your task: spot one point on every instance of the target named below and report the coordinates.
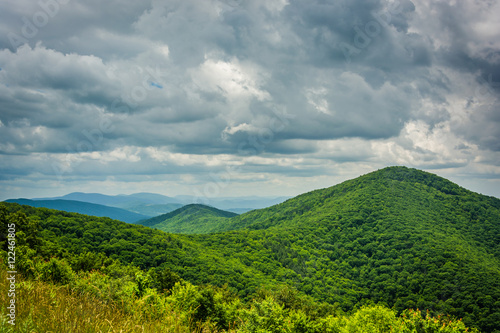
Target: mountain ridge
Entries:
(386, 177)
(83, 208)
(153, 204)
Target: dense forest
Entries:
(396, 250)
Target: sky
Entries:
(221, 98)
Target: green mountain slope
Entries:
(401, 236)
(84, 208)
(64, 234)
(190, 219)
(375, 192)
(398, 236)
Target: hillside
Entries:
(190, 219)
(84, 208)
(397, 236)
(400, 236)
(66, 234)
(367, 194)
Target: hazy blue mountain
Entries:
(152, 198)
(152, 209)
(151, 203)
(84, 208)
(95, 198)
(239, 210)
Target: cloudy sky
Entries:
(245, 97)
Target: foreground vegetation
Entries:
(369, 248)
(125, 299)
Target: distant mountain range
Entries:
(116, 200)
(83, 208)
(153, 204)
(139, 206)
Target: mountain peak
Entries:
(390, 188)
(411, 175)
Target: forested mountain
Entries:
(398, 236)
(189, 219)
(394, 191)
(84, 208)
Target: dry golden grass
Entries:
(43, 307)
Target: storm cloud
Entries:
(275, 97)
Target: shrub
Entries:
(163, 279)
(374, 319)
(266, 316)
(57, 271)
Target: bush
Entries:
(413, 321)
(26, 262)
(202, 305)
(57, 271)
(89, 261)
(374, 319)
(142, 283)
(266, 316)
(105, 287)
(163, 279)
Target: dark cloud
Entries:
(180, 88)
(62, 24)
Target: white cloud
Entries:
(235, 81)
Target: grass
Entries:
(44, 307)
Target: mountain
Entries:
(397, 236)
(120, 201)
(152, 204)
(193, 218)
(237, 204)
(147, 204)
(152, 209)
(398, 191)
(83, 208)
(152, 198)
